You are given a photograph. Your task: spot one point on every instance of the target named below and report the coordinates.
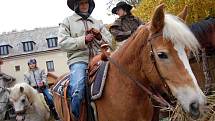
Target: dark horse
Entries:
(153, 57)
(204, 31)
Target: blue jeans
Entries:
(48, 97)
(78, 77)
(49, 101)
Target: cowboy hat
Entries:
(123, 5)
(73, 4)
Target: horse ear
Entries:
(157, 22)
(21, 89)
(183, 14)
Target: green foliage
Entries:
(197, 9)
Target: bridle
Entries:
(151, 94)
(155, 64)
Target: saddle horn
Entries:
(105, 53)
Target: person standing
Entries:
(81, 36)
(125, 25)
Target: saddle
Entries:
(96, 81)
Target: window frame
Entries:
(50, 66)
(28, 46)
(52, 42)
(5, 49)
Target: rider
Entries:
(37, 78)
(126, 24)
(80, 44)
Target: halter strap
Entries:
(156, 65)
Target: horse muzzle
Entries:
(20, 115)
(20, 118)
(194, 110)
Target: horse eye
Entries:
(162, 55)
(23, 100)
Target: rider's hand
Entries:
(89, 37)
(97, 34)
(40, 84)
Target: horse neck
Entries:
(129, 58)
(39, 106)
(130, 55)
(121, 94)
(41, 101)
(37, 101)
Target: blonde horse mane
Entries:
(179, 33)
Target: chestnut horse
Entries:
(152, 59)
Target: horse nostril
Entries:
(194, 110)
(194, 106)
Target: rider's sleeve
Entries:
(66, 41)
(118, 33)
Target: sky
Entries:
(29, 14)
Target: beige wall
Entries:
(58, 57)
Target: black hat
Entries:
(73, 4)
(123, 5)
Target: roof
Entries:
(38, 36)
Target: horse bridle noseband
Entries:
(157, 98)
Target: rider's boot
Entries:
(54, 113)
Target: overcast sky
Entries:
(30, 14)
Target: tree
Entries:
(198, 9)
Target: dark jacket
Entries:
(124, 26)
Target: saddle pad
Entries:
(59, 87)
(98, 85)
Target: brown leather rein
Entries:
(151, 94)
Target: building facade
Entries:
(16, 48)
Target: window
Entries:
(50, 66)
(4, 50)
(52, 42)
(28, 46)
(17, 68)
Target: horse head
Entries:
(156, 54)
(168, 39)
(21, 96)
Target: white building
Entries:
(16, 48)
